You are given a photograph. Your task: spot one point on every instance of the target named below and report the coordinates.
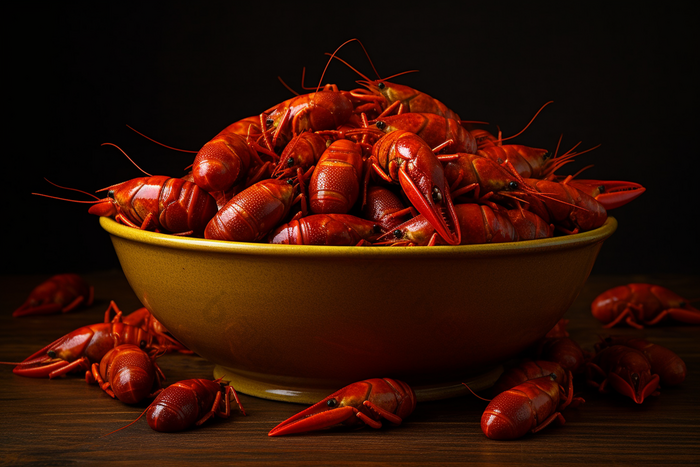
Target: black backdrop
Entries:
(622, 78)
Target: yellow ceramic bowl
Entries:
(296, 323)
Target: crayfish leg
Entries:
(229, 391)
(81, 364)
(556, 416)
(390, 417)
(215, 410)
(677, 314)
(626, 316)
(368, 421)
(117, 313)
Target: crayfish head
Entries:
(339, 407)
(107, 207)
(423, 181)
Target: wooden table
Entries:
(62, 421)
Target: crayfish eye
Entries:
(513, 185)
(381, 85)
(397, 233)
(269, 122)
(376, 228)
(290, 162)
(437, 195)
(51, 353)
(110, 193)
(332, 403)
(290, 181)
(381, 125)
(635, 379)
(142, 344)
(546, 155)
(601, 189)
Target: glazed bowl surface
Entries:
(296, 323)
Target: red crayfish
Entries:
(366, 402)
(188, 403)
(62, 292)
(527, 408)
(477, 224)
(663, 361)
(326, 229)
(191, 402)
(440, 133)
(143, 319)
(78, 350)
(641, 305)
(527, 370)
(158, 203)
(127, 373)
(254, 212)
(335, 182)
(404, 158)
(395, 98)
(624, 368)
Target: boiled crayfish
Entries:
(641, 305)
(60, 293)
(344, 151)
(366, 402)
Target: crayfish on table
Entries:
(634, 367)
(60, 293)
(624, 368)
(664, 362)
(641, 305)
(78, 350)
(528, 407)
(189, 403)
(127, 373)
(362, 403)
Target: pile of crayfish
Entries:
(385, 164)
(119, 354)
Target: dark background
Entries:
(622, 78)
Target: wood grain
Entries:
(63, 421)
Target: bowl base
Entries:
(301, 391)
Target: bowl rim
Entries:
(265, 249)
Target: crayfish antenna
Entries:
(368, 58)
(558, 161)
(127, 156)
(365, 78)
(164, 145)
(127, 426)
(500, 139)
(334, 55)
(475, 394)
(97, 200)
(289, 88)
(69, 188)
(329, 62)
